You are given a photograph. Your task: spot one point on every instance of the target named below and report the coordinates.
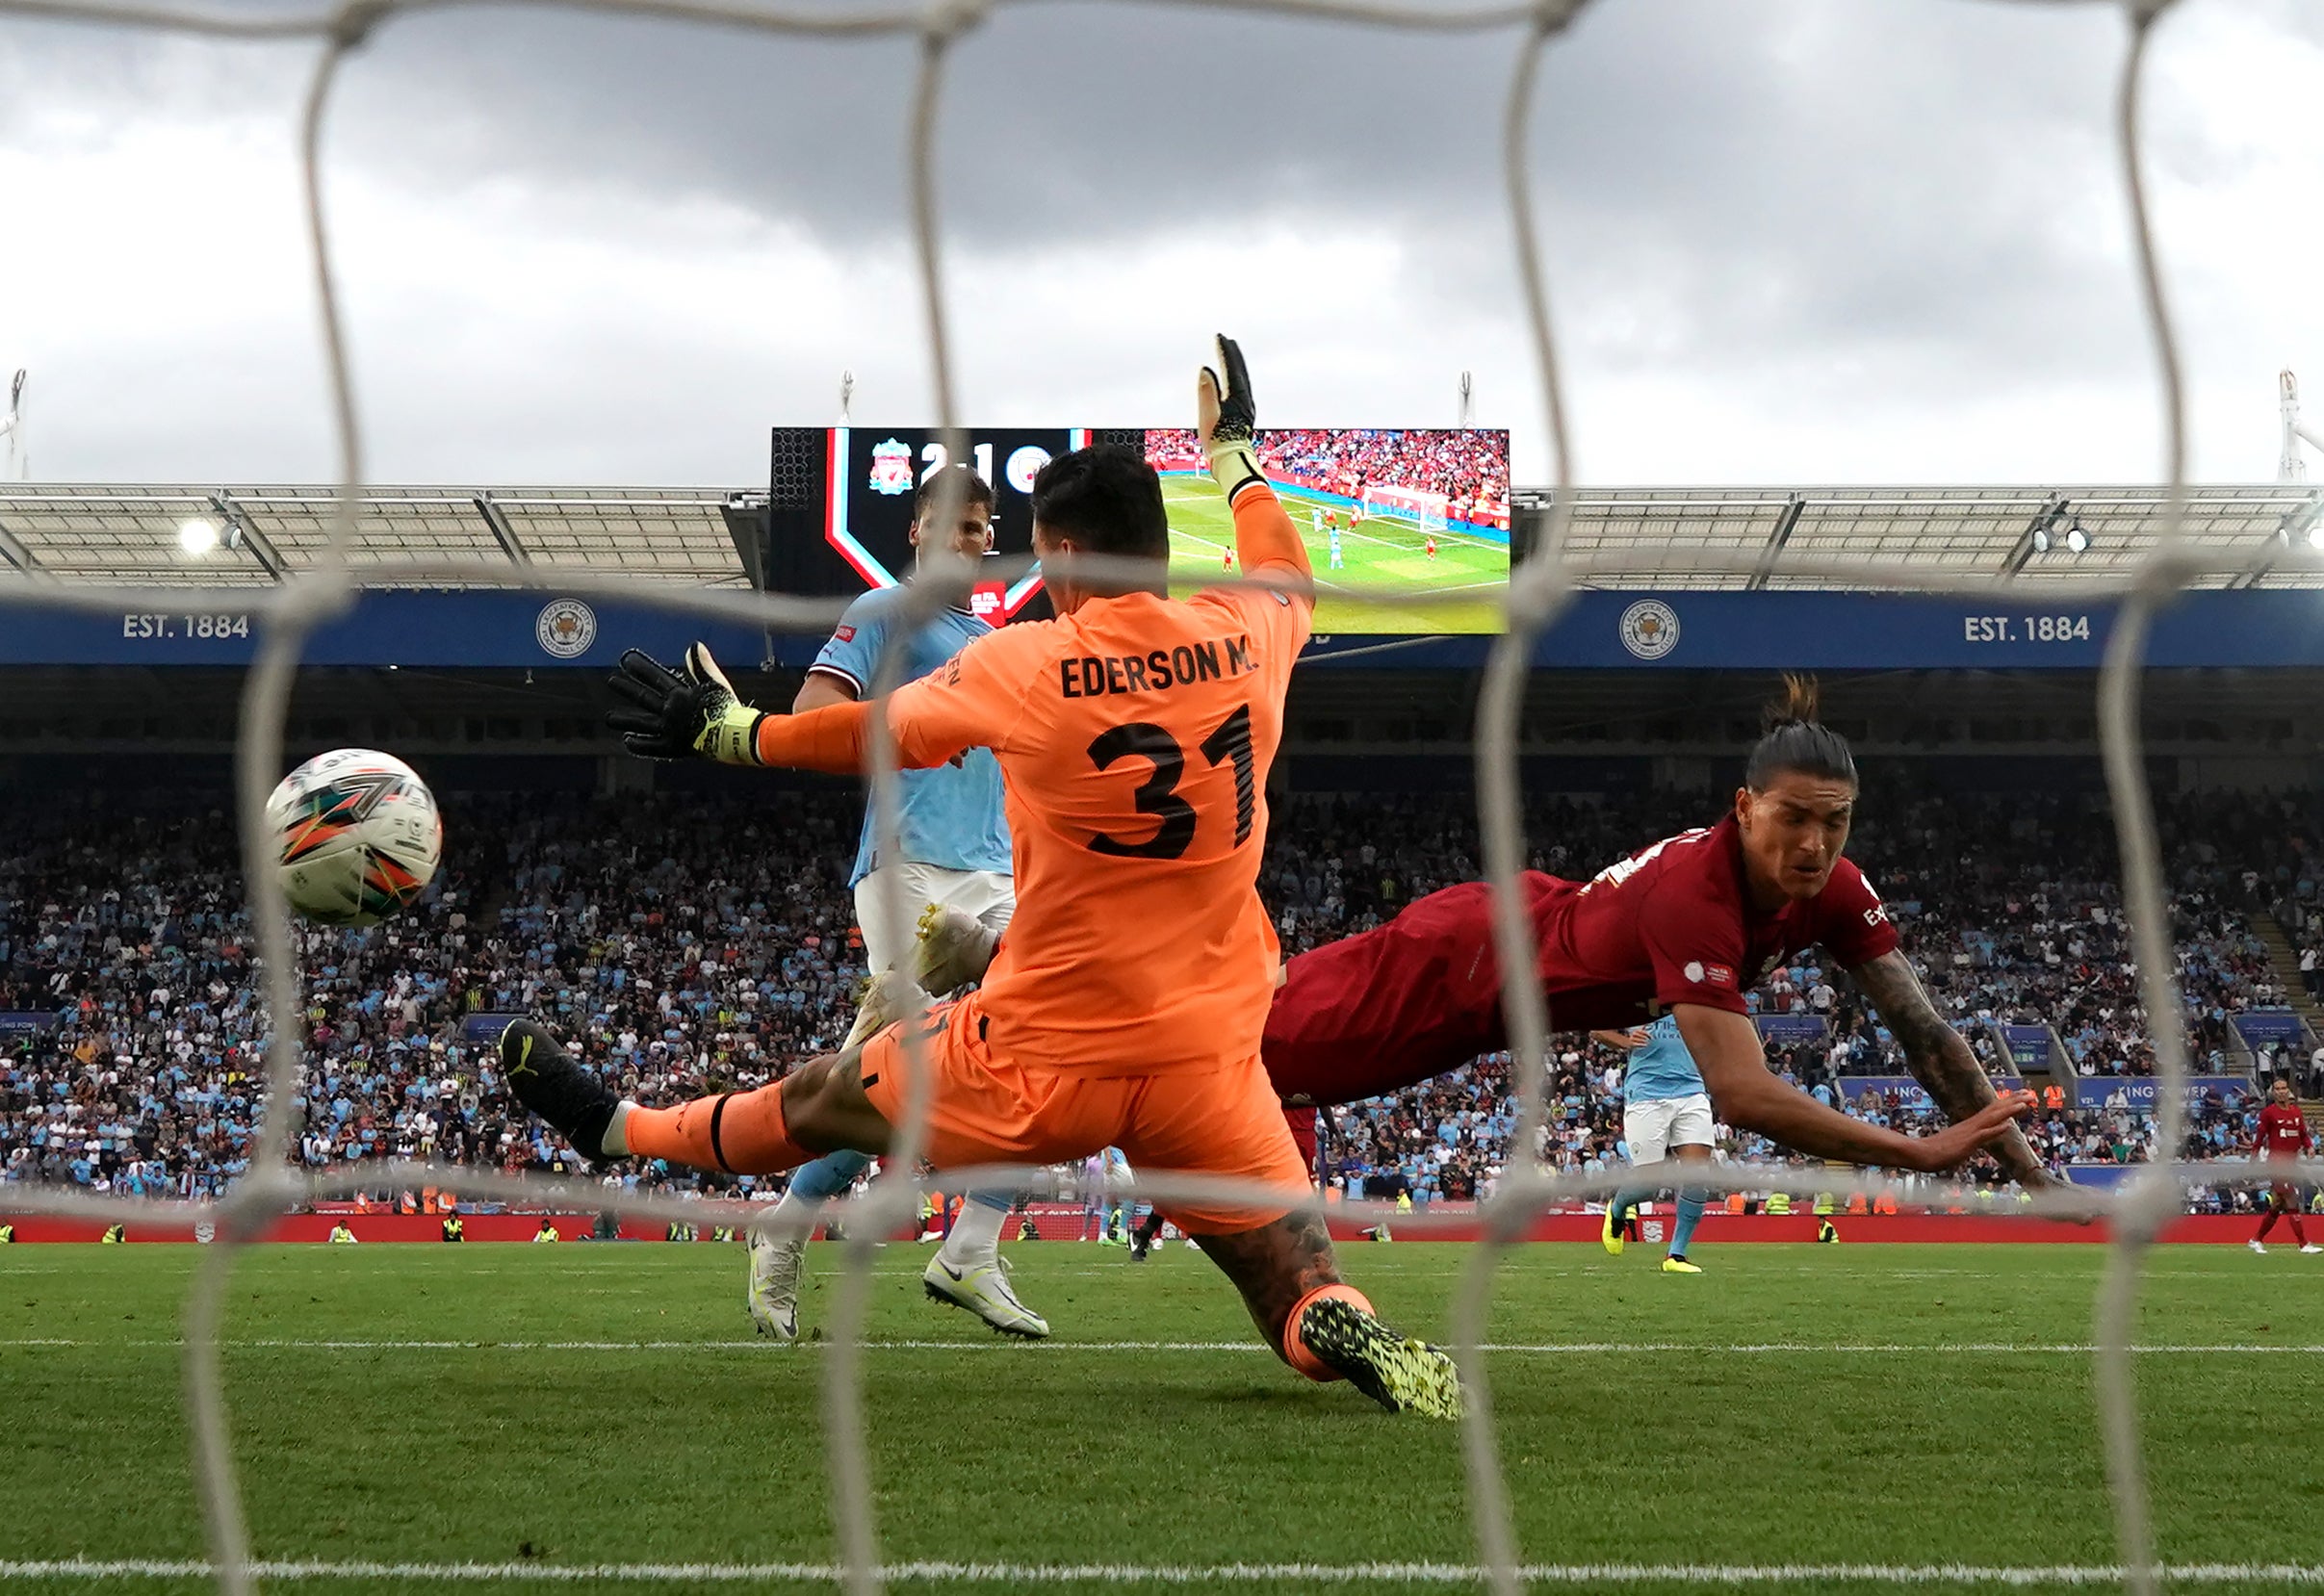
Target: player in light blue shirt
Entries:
(948, 818)
(952, 853)
(1665, 1111)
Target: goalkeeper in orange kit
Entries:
(1126, 1003)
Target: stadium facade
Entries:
(1691, 599)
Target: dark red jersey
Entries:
(1420, 996)
(2282, 1131)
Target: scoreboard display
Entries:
(875, 474)
(1402, 512)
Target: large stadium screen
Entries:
(1399, 509)
(875, 474)
(1385, 508)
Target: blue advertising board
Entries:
(1907, 1089)
(1791, 1030)
(2143, 1091)
(2029, 1045)
(19, 1021)
(1690, 630)
(2280, 1026)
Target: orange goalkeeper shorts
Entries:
(1223, 1121)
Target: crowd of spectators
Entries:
(1468, 466)
(687, 942)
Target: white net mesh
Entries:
(1535, 594)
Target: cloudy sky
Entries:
(1788, 240)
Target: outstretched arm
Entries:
(1726, 1051)
(1226, 421)
(1940, 1059)
(693, 712)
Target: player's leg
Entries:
(774, 1128)
(1275, 1247)
(1694, 1157)
(1646, 1132)
(2272, 1204)
(1142, 1238)
(1370, 1013)
(1687, 1132)
(953, 939)
(974, 1120)
(1324, 1328)
(824, 1106)
(778, 1239)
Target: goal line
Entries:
(1021, 1575)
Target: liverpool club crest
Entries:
(891, 467)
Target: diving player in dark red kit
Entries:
(1687, 926)
(2283, 1134)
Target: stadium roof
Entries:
(87, 533)
(1634, 538)
(1659, 537)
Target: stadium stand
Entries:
(630, 922)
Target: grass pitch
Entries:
(1380, 553)
(603, 1407)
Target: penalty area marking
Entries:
(1014, 1573)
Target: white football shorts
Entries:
(987, 894)
(1655, 1126)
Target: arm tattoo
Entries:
(1935, 1053)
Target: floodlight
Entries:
(2077, 539)
(2041, 540)
(197, 536)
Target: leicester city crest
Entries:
(891, 467)
(1649, 628)
(566, 627)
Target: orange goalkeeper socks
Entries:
(1295, 1352)
(739, 1132)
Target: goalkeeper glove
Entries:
(1226, 421)
(671, 714)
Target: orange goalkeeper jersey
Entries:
(1134, 738)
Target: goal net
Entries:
(1414, 504)
(305, 602)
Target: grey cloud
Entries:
(1774, 195)
(1763, 174)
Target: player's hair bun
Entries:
(1796, 707)
(1793, 739)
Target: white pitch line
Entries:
(1040, 1348)
(1016, 1574)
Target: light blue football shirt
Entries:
(950, 817)
(1663, 1068)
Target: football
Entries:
(356, 836)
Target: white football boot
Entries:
(886, 999)
(953, 948)
(983, 1290)
(778, 1257)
